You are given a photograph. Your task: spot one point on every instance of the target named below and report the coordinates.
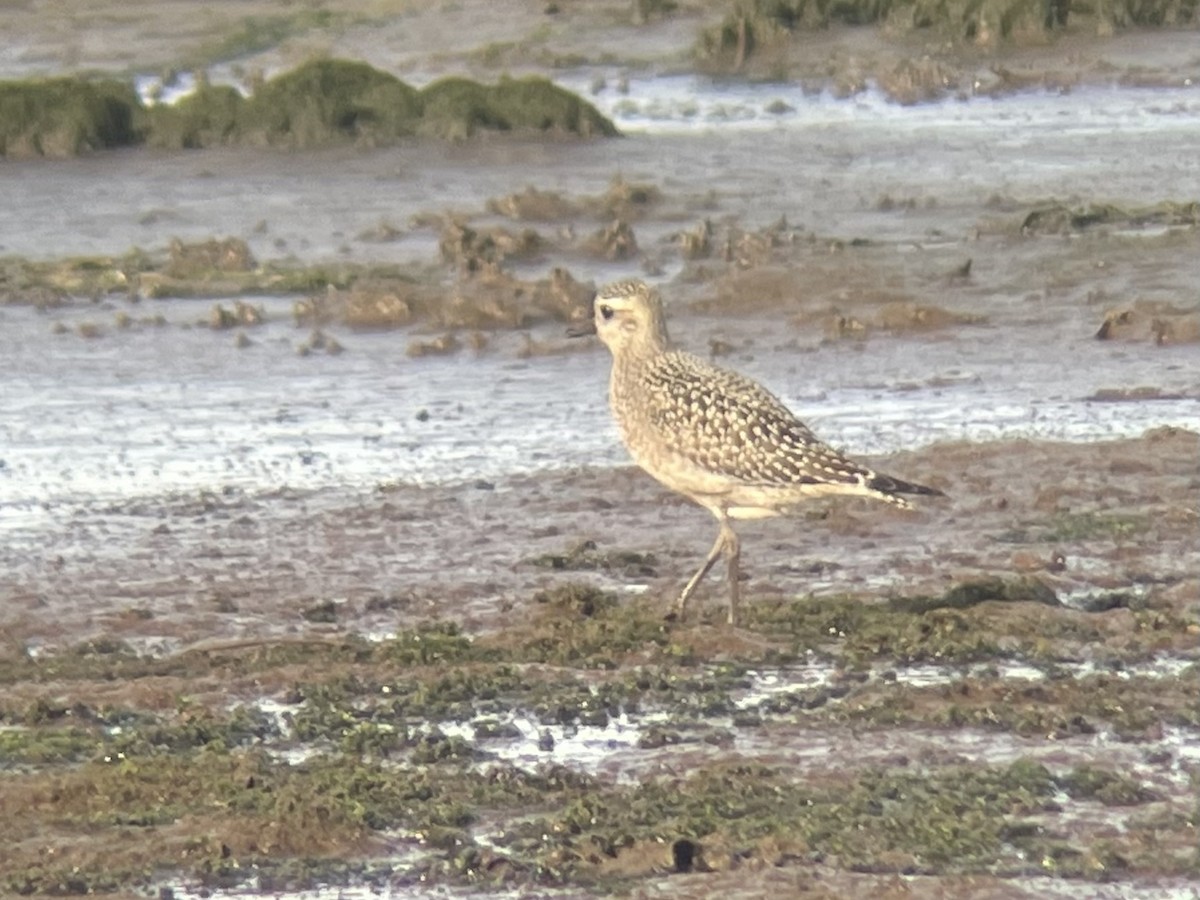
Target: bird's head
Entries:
(628, 317)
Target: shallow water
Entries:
(144, 412)
(138, 414)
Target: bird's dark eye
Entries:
(606, 312)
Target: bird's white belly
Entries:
(722, 494)
(751, 512)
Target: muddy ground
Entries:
(412, 681)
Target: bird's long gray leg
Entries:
(713, 555)
(733, 556)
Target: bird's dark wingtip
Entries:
(887, 485)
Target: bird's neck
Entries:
(640, 353)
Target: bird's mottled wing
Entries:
(724, 422)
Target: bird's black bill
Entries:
(583, 329)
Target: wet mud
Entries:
(321, 566)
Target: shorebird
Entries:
(714, 435)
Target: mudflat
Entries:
(322, 565)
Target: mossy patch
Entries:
(967, 623)
(585, 556)
(60, 117)
(211, 796)
(456, 108)
(763, 28)
(210, 117)
(327, 100)
(739, 813)
(322, 102)
(1075, 527)
(1057, 707)
(971, 593)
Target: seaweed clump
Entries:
(207, 118)
(61, 117)
(763, 28)
(325, 101)
(329, 99)
(457, 108)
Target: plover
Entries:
(714, 435)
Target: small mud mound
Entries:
(1058, 218)
(243, 315)
(472, 250)
(493, 300)
(532, 204)
(1158, 322)
(616, 241)
(214, 255)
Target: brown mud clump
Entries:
(1058, 218)
(627, 200)
(696, 243)
(917, 317)
(367, 306)
(445, 345)
(472, 250)
(243, 315)
(190, 261)
(918, 81)
(491, 300)
(534, 205)
(1155, 321)
(616, 241)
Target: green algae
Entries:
(205, 785)
(457, 108)
(1108, 787)
(45, 746)
(957, 820)
(757, 28)
(321, 102)
(1130, 708)
(1023, 589)
(264, 811)
(210, 117)
(327, 100)
(585, 556)
(61, 117)
(199, 784)
(1076, 527)
(214, 269)
(959, 626)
